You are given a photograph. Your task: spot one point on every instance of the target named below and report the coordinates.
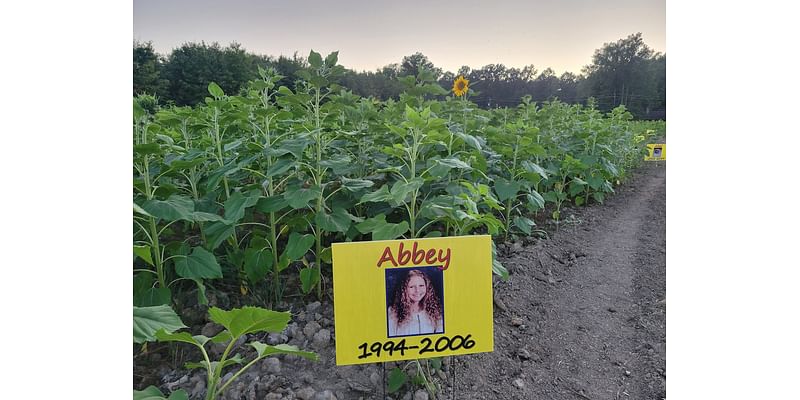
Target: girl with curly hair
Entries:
(416, 308)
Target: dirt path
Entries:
(583, 315)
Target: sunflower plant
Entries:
(321, 162)
(518, 175)
(460, 86)
(237, 323)
(159, 211)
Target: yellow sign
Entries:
(656, 152)
(414, 298)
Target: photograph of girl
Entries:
(414, 307)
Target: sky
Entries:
(369, 34)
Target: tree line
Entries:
(626, 72)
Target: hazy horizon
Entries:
(561, 35)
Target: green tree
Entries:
(621, 73)
(546, 85)
(658, 71)
(412, 64)
(568, 87)
(147, 68)
(191, 67)
(377, 84)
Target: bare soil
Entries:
(582, 316)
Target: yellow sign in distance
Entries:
(414, 298)
(656, 152)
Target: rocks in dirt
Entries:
(211, 329)
(557, 258)
(277, 338)
(273, 396)
(499, 303)
(321, 339)
(219, 299)
(234, 391)
(519, 383)
(516, 321)
(215, 350)
(271, 365)
(166, 373)
(355, 386)
(264, 367)
(529, 356)
(302, 316)
(179, 382)
(250, 390)
(311, 328)
(524, 354)
(374, 378)
(441, 375)
(193, 316)
(324, 395)
(305, 393)
(313, 307)
(644, 347)
(516, 247)
(199, 388)
(292, 330)
(421, 394)
(241, 341)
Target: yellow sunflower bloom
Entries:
(460, 86)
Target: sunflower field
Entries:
(245, 193)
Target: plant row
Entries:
(248, 191)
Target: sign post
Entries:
(411, 299)
(656, 152)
